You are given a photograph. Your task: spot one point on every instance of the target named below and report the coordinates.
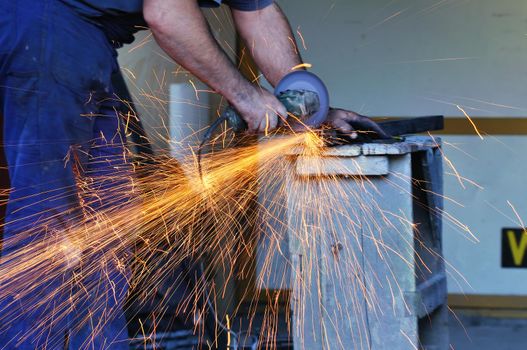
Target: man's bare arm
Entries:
(268, 36)
(181, 30)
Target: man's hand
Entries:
(181, 30)
(349, 123)
(261, 110)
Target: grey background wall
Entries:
(413, 57)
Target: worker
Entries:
(61, 128)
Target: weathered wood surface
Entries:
(415, 125)
(409, 145)
(344, 166)
(356, 279)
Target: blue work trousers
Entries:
(64, 145)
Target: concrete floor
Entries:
(480, 332)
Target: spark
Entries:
(445, 59)
(409, 340)
(129, 72)
(470, 120)
(449, 163)
(472, 182)
(329, 11)
(301, 38)
(266, 132)
(460, 323)
(500, 105)
(522, 225)
(455, 104)
(396, 14)
(457, 148)
(142, 42)
(302, 65)
(195, 89)
(500, 212)
(247, 191)
(228, 333)
(293, 44)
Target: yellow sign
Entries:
(513, 248)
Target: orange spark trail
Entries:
(522, 225)
(301, 38)
(470, 120)
(302, 65)
(169, 216)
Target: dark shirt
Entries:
(120, 19)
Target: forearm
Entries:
(268, 36)
(182, 32)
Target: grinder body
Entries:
(304, 96)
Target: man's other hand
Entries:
(261, 110)
(350, 123)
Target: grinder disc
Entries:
(304, 80)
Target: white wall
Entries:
(419, 57)
(498, 166)
(386, 57)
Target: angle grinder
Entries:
(304, 96)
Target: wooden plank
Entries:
(430, 295)
(342, 166)
(412, 125)
(346, 296)
(429, 301)
(304, 250)
(432, 168)
(410, 144)
(389, 258)
(272, 255)
(351, 150)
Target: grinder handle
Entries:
(298, 103)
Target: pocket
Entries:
(8, 25)
(82, 59)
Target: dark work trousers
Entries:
(64, 147)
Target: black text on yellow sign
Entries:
(514, 247)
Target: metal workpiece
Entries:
(360, 246)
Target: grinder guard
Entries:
(304, 96)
